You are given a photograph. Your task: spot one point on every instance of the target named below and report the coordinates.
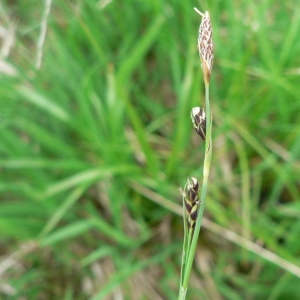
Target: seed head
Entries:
(191, 200)
(205, 45)
(199, 121)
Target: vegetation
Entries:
(96, 142)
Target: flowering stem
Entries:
(202, 123)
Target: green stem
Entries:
(207, 159)
(184, 249)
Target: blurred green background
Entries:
(95, 143)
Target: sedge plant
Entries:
(193, 206)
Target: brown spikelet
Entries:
(205, 45)
(191, 200)
(199, 121)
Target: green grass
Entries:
(95, 142)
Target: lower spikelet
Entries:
(191, 200)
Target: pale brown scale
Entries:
(205, 45)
